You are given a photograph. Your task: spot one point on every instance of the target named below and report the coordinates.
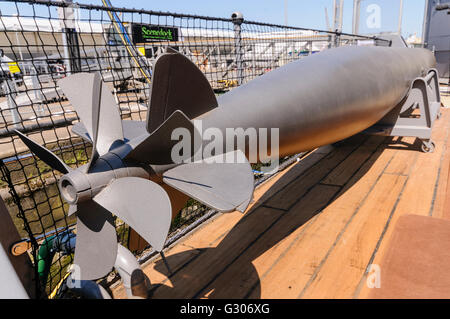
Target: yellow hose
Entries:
(127, 46)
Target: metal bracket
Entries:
(404, 120)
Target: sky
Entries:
(300, 13)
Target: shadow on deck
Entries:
(314, 229)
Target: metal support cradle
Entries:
(404, 121)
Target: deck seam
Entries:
(436, 185)
(331, 184)
(395, 174)
(272, 207)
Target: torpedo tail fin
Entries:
(177, 84)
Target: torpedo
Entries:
(132, 174)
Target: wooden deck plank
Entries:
(344, 171)
(446, 211)
(443, 188)
(418, 194)
(263, 254)
(275, 239)
(199, 272)
(277, 183)
(417, 197)
(210, 233)
(404, 159)
(296, 189)
(394, 166)
(340, 273)
(310, 247)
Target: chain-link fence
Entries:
(44, 41)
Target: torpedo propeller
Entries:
(116, 180)
(105, 186)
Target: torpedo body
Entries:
(323, 98)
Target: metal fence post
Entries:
(10, 90)
(337, 38)
(69, 38)
(36, 84)
(356, 14)
(237, 19)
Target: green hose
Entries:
(44, 259)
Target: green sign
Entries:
(144, 33)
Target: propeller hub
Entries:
(74, 187)
(78, 186)
(68, 191)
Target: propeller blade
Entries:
(222, 186)
(78, 88)
(72, 210)
(45, 155)
(79, 129)
(142, 204)
(156, 148)
(171, 91)
(96, 244)
(96, 107)
(131, 130)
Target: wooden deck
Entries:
(314, 228)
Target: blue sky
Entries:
(301, 13)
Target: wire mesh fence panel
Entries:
(42, 42)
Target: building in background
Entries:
(437, 34)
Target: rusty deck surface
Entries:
(314, 228)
